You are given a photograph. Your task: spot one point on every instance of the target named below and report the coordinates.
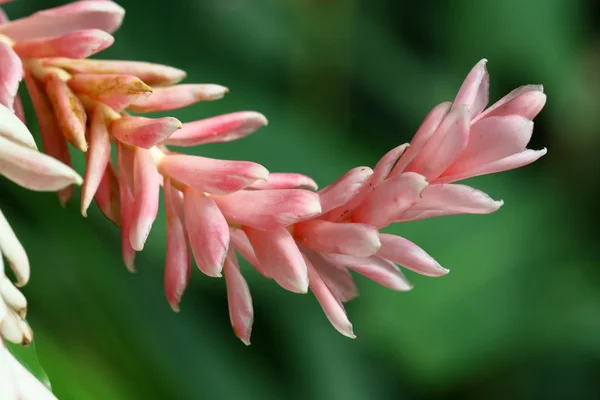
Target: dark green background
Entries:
(343, 81)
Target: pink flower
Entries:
(302, 239)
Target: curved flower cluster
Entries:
(301, 238)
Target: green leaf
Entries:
(27, 356)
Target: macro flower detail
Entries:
(303, 238)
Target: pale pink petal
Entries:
(146, 196)
(416, 215)
(179, 261)
(77, 44)
(55, 144)
(279, 255)
(125, 158)
(474, 92)
(384, 272)
(526, 101)
(12, 296)
(338, 280)
(107, 196)
(207, 230)
(178, 96)
(34, 170)
(269, 209)
(456, 198)
(379, 174)
(14, 329)
(116, 91)
(223, 128)
(90, 14)
(409, 255)
(386, 164)
(390, 199)
(492, 139)
(511, 162)
(444, 147)
(69, 111)
(19, 110)
(11, 73)
(11, 248)
(241, 312)
(211, 175)
(143, 132)
(280, 180)
(149, 73)
(429, 126)
(340, 192)
(358, 240)
(332, 307)
(11, 127)
(240, 242)
(97, 158)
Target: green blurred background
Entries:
(343, 81)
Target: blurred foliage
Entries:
(342, 81)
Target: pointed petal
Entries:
(90, 14)
(379, 270)
(458, 199)
(429, 126)
(444, 147)
(338, 280)
(269, 209)
(125, 157)
(11, 73)
(526, 101)
(69, 111)
(333, 308)
(97, 158)
(492, 139)
(107, 195)
(475, 90)
(55, 144)
(19, 110)
(386, 164)
(149, 73)
(12, 296)
(146, 196)
(240, 242)
(77, 44)
(381, 172)
(409, 255)
(15, 330)
(211, 175)
(116, 91)
(207, 230)
(11, 127)
(340, 192)
(279, 255)
(143, 132)
(14, 252)
(358, 240)
(278, 180)
(223, 128)
(178, 96)
(34, 170)
(390, 199)
(511, 162)
(241, 312)
(178, 263)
